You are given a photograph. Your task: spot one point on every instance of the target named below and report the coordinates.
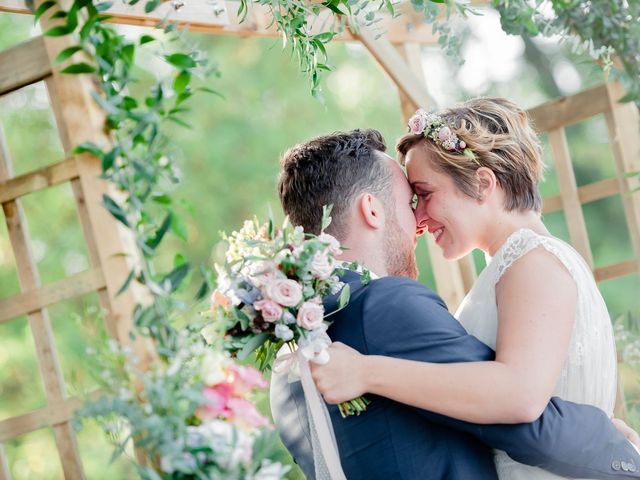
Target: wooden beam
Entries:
(200, 16)
(39, 321)
(23, 65)
(623, 125)
(616, 270)
(568, 110)
(569, 193)
(53, 414)
(396, 67)
(55, 292)
(586, 193)
(38, 180)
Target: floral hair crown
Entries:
(433, 126)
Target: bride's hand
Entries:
(341, 378)
(627, 431)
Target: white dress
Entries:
(589, 373)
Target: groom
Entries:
(396, 316)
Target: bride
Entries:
(475, 171)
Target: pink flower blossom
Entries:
(310, 315)
(216, 401)
(284, 291)
(444, 134)
(271, 311)
(321, 266)
(246, 378)
(245, 414)
(334, 244)
(417, 123)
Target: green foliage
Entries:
(601, 29)
(140, 161)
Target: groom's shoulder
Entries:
(393, 290)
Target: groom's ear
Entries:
(487, 183)
(371, 210)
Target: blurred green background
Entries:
(230, 165)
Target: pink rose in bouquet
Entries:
(310, 315)
(286, 292)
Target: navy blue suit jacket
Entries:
(398, 317)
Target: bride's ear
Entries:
(487, 183)
(370, 210)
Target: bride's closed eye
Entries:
(419, 196)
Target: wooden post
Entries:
(623, 124)
(39, 323)
(569, 194)
(80, 120)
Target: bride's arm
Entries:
(536, 306)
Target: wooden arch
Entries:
(79, 120)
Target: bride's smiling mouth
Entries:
(437, 233)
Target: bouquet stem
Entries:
(354, 407)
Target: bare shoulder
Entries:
(537, 270)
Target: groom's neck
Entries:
(367, 258)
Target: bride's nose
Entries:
(421, 220)
(421, 227)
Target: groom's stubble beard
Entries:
(399, 252)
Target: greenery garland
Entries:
(140, 161)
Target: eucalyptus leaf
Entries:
(181, 60)
(181, 81)
(44, 6)
(345, 295)
(58, 31)
(78, 68)
(66, 53)
(179, 227)
(126, 283)
(115, 209)
(160, 233)
(175, 277)
(252, 345)
(146, 39)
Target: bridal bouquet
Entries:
(190, 416)
(269, 293)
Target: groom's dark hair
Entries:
(333, 170)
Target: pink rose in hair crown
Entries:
(310, 315)
(444, 134)
(271, 311)
(418, 123)
(284, 291)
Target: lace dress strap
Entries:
(523, 241)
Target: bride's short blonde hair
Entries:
(501, 137)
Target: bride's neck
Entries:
(500, 227)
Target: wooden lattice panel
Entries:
(623, 126)
(78, 120)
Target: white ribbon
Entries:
(314, 349)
